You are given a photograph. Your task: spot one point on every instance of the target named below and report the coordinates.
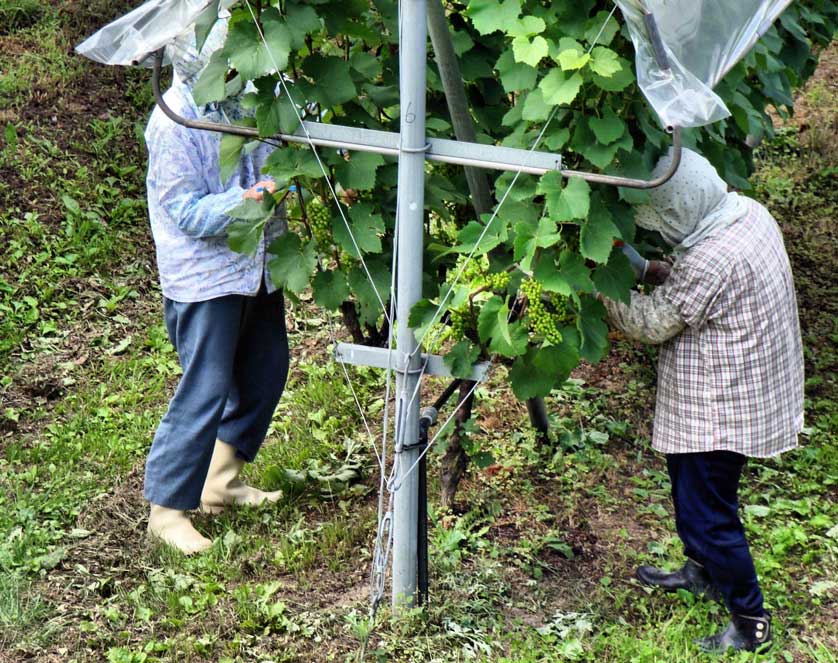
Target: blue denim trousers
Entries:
(705, 489)
(234, 354)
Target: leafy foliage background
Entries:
(527, 296)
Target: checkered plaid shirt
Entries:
(730, 374)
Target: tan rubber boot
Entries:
(173, 527)
(223, 486)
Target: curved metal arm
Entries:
(630, 182)
(361, 136)
(191, 124)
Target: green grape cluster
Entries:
(321, 223)
(460, 321)
(563, 311)
(542, 321)
(474, 272)
(498, 281)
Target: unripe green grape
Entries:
(498, 281)
(474, 270)
(460, 320)
(320, 221)
(563, 311)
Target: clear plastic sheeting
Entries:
(702, 40)
(132, 38)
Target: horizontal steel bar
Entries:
(363, 355)
(438, 149)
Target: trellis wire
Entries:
(383, 555)
(384, 528)
(441, 307)
(319, 161)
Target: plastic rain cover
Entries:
(702, 39)
(132, 38)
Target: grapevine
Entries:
(562, 70)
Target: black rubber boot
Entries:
(743, 633)
(692, 577)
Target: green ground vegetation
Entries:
(535, 561)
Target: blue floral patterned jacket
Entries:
(187, 205)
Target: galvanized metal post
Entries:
(411, 193)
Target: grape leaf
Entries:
(593, 329)
(556, 139)
(565, 203)
(493, 327)
(205, 23)
(334, 82)
(596, 238)
(532, 236)
(286, 163)
(540, 370)
(605, 62)
(369, 307)
(366, 229)
(469, 237)
(211, 84)
(573, 269)
(571, 275)
(528, 51)
(489, 16)
(292, 262)
(547, 273)
(608, 128)
(572, 58)
(243, 235)
(229, 155)
(617, 81)
(535, 109)
(585, 143)
(615, 279)
(515, 76)
(423, 314)
(253, 57)
(358, 172)
(331, 289)
(461, 358)
(367, 66)
(526, 26)
(560, 89)
(302, 20)
(253, 210)
(601, 27)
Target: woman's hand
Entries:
(257, 191)
(657, 272)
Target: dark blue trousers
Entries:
(234, 354)
(705, 495)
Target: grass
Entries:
(535, 561)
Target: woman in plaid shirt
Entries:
(730, 378)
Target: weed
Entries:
(18, 14)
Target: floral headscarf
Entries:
(691, 206)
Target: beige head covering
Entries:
(691, 206)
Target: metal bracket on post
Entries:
(364, 355)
